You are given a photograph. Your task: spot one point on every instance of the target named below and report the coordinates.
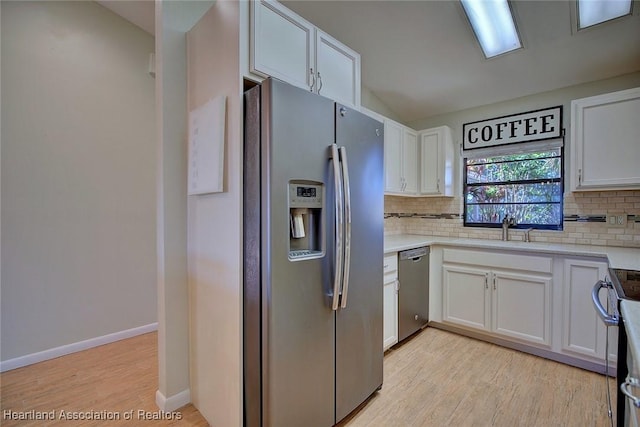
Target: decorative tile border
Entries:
(422, 215)
(567, 218)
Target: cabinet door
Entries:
(390, 313)
(583, 331)
(466, 296)
(410, 161)
(337, 70)
(521, 307)
(393, 181)
(604, 134)
(430, 160)
(282, 43)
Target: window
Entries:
(527, 186)
(593, 12)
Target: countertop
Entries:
(623, 258)
(631, 315)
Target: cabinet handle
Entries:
(579, 176)
(486, 281)
(319, 82)
(312, 79)
(494, 282)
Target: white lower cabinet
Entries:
(465, 299)
(494, 297)
(511, 304)
(390, 301)
(521, 306)
(583, 332)
(540, 303)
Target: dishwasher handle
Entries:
(414, 254)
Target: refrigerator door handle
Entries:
(339, 243)
(347, 226)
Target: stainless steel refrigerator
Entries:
(313, 249)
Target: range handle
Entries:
(607, 318)
(629, 383)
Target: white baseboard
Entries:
(52, 353)
(171, 403)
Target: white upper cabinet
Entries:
(337, 70)
(436, 162)
(286, 46)
(282, 43)
(400, 159)
(604, 137)
(410, 160)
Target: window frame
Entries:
(561, 181)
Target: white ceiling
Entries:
(421, 58)
(139, 12)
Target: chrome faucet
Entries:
(507, 221)
(527, 237)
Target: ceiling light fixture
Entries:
(592, 12)
(493, 25)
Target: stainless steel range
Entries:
(621, 285)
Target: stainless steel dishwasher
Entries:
(413, 295)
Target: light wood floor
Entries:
(117, 377)
(435, 379)
(442, 379)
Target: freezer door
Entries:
(359, 324)
(298, 324)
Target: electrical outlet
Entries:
(617, 220)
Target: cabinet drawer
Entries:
(533, 263)
(390, 263)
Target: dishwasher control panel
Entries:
(414, 253)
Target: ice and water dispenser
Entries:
(306, 219)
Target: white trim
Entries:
(505, 150)
(52, 353)
(169, 404)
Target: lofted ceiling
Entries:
(139, 12)
(421, 59)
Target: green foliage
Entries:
(527, 186)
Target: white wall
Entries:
(215, 227)
(529, 103)
(78, 176)
(372, 102)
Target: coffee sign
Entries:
(516, 128)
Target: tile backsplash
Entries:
(584, 219)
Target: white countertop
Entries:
(624, 258)
(631, 315)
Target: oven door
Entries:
(611, 317)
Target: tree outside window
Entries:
(526, 186)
